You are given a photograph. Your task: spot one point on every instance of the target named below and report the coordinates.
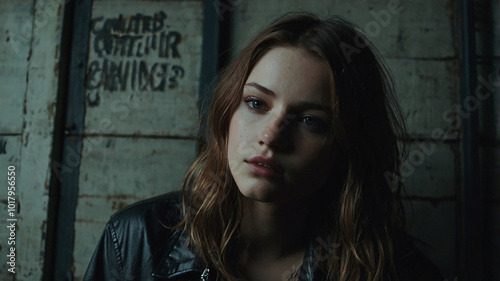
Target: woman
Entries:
(295, 181)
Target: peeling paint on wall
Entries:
(142, 88)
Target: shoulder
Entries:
(136, 238)
(146, 224)
(145, 229)
(165, 208)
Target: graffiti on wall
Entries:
(138, 52)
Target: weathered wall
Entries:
(141, 111)
(141, 116)
(418, 41)
(30, 37)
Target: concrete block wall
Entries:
(140, 129)
(418, 41)
(140, 123)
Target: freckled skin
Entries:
(276, 129)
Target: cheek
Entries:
(232, 137)
(234, 128)
(316, 157)
(311, 147)
(236, 136)
(232, 144)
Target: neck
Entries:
(270, 231)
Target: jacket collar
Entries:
(179, 259)
(185, 260)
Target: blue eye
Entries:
(314, 123)
(255, 104)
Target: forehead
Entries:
(293, 72)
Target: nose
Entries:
(274, 133)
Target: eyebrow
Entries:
(261, 88)
(300, 106)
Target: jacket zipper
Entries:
(204, 275)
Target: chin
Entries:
(260, 193)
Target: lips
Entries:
(265, 166)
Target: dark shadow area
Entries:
(487, 71)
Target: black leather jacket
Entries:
(138, 244)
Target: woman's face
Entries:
(278, 149)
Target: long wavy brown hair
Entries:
(360, 209)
